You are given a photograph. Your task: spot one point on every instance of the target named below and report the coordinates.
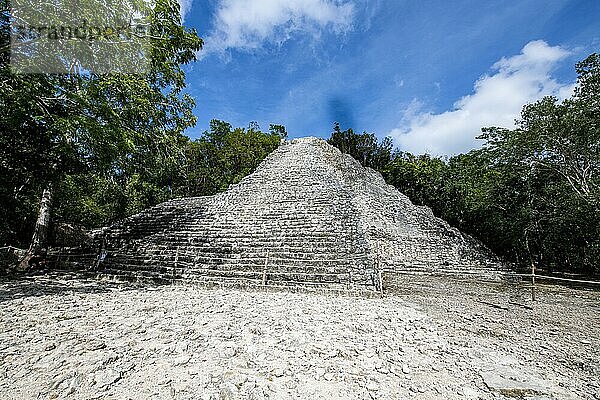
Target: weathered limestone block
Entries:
(67, 235)
(309, 215)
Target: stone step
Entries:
(308, 215)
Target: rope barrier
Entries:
(560, 279)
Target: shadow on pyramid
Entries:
(308, 217)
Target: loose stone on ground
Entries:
(82, 339)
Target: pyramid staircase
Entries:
(308, 217)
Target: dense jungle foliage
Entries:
(92, 149)
(102, 147)
(532, 194)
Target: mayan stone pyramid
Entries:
(308, 216)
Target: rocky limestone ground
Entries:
(68, 337)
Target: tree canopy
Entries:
(97, 147)
(58, 127)
(531, 194)
(104, 146)
(363, 147)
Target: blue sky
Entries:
(427, 73)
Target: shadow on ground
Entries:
(56, 283)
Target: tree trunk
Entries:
(40, 232)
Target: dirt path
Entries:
(85, 339)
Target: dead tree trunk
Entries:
(39, 240)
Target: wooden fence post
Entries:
(378, 266)
(532, 281)
(264, 277)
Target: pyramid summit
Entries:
(309, 215)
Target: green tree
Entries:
(553, 157)
(106, 126)
(531, 193)
(275, 129)
(224, 155)
(421, 177)
(363, 147)
(562, 138)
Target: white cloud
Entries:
(248, 24)
(184, 7)
(497, 100)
